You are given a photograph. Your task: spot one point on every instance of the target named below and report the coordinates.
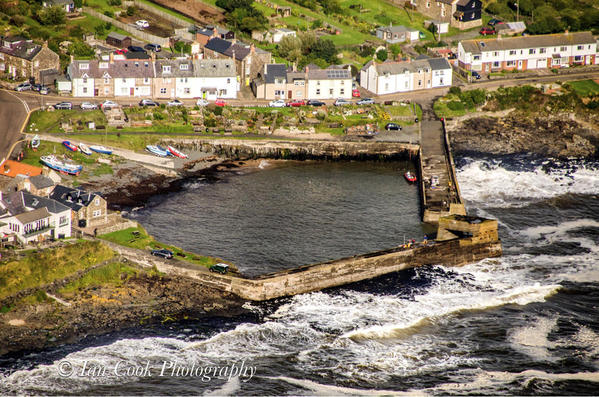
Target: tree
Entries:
(131, 10)
(80, 49)
(242, 15)
(382, 55)
(317, 23)
(308, 40)
(395, 50)
(324, 49)
(290, 47)
(52, 16)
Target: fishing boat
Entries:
(100, 149)
(157, 150)
(164, 150)
(84, 149)
(70, 146)
(61, 166)
(176, 152)
(35, 142)
(410, 177)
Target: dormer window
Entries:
(137, 64)
(103, 65)
(166, 68)
(145, 64)
(184, 66)
(83, 66)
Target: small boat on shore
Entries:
(410, 177)
(100, 149)
(70, 146)
(157, 150)
(84, 149)
(61, 166)
(35, 142)
(176, 152)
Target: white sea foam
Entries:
(489, 184)
(319, 389)
(533, 340)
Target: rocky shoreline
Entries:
(555, 136)
(143, 299)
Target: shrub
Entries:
(455, 90)
(455, 106)
(114, 2)
(109, 14)
(17, 20)
(131, 10)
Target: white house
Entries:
(397, 34)
(278, 34)
(67, 5)
(215, 78)
(330, 83)
(124, 78)
(528, 52)
(391, 77)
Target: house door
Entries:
(289, 94)
(95, 92)
(519, 65)
(132, 91)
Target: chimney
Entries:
(45, 45)
(152, 56)
(252, 48)
(294, 66)
(111, 57)
(498, 36)
(72, 58)
(306, 70)
(566, 31)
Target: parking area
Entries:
(157, 26)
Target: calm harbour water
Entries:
(525, 323)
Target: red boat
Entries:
(176, 152)
(410, 177)
(70, 146)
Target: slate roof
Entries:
(175, 65)
(72, 198)
(53, 206)
(439, 63)
(275, 71)
(397, 29)
(32, 216)
(58, 2)
(117, 69)
(218, 45)
(41, 181)
(328, 74)
(522, 42)
(413, 66)
(14, 203)
(25, 50)
(214, 68)
(117, 36)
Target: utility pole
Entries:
(517, 10)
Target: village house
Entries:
(67, 5)
(249, 60)
(277, 35)
(118, 40)
(40, 185)
(30, 218)
(397, 34)
(404, 76)
(276, 81)
(510, 28)
(174, 78)
(215, 78)
(461, 14)
(203, 35)
(21, 59)
(528, 52)
(88, 209)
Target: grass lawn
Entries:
(45, 266)
(111, 274)
(140, 239)
(584, 88)
(51, 121)
(442, 107)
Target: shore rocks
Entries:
(549, 137)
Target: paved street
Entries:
(13, 112)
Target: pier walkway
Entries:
(438, 184)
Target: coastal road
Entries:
(13, 113)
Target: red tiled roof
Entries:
(13, 168)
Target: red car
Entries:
(296, 103)
(220, 102)
(122, 51)
(487, 31)
(355, 93)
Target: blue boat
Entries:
(100, 149)
(70, 146)
(157, 150)
(61, 166)
(168, 152)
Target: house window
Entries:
(386, 86)
(63, 221)
(512, 52)
(85, 80)
(318, 91)
(542, 50)
(186, 90)
(578, 58)
(106, 81)
(97, 213)
(419, 83)
(146, 80)
(97, 201)
(476, 57)
(298, 93)
(163, 90)
(495, 64)
(106, 90)
(330, 91)
(496, 54)
(562, 49)
(580, 47)
(531, 51)
(83, 66)
(228, 81)
(342, 91)
(511, 63)
(441, 81)
(124, 80)
(85, 90)
(556, 61)
(36, 64)
(428, 4)
(184, 66)
(166, 68)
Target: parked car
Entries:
(475, 74)
(36, 87)
(355, 93)
(220, 102)
(202, 102)
(393, 127)
(485, 31)
(434, 180)
(88, 106)
(163, 253)
(296, 103)
(44, 90)
(134, 48)
(494, 22)
(63, 105)
(23, 87)
(153, 47)
(342, 102)
(314, 102)
(175, 102)
(147, 102)
(219, 268)
(277, 103)
(121, 51)
(109, 105)
(365, 101)
(142, 23)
